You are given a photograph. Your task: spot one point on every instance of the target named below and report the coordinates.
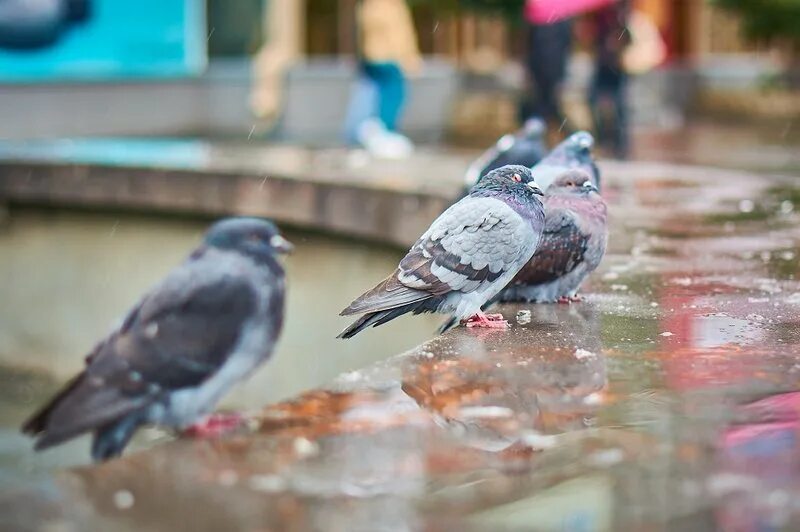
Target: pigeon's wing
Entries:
(561, 249)
(473, 242)
(177, 337)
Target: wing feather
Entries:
(560, 251)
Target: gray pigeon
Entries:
(574, 152)
(470, 252)
(525, 148)
(211, 322)
(573, 243)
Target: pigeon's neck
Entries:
(591, 206)
(262, 260)
(520, 198)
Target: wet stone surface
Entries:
(668, 398)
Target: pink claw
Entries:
(487, 321)
(215, 425)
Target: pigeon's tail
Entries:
(80, 408)
(373, 319)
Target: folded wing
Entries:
(560, 251)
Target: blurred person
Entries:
(608, 88)
(549, 47)
(388, 53)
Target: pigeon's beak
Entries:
(280, 244)
(590, 187)
(535, 188)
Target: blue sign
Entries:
(101, 39)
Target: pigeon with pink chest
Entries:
(573, 243)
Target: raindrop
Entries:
(303, 447)
(581, 354)
(606, 457)
(228, 478)
(746, 206)
(124, 499)
(267, 483)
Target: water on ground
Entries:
(668, 399)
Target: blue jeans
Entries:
(391, 84)
(363, 106)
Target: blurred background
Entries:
(287, 70)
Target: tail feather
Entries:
(38, 421)
(388, 294)
(373, 319)
(81, 408)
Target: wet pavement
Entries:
(668, 399)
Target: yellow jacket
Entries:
(387, 34)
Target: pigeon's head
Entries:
(572, 182)
(511, 177)
(534, 127)
(575, 150)
(580, 145)
(255, 237)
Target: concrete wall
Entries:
(216, 103)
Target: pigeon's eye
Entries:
(517, 178)
(253, 237)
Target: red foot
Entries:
(215, 425)
(487, 321)
(566, 300)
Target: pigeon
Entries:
(573, 243)
(469, 253)
(574, 152)
(211, 322)
(525, 148)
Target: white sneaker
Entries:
(381, 143)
